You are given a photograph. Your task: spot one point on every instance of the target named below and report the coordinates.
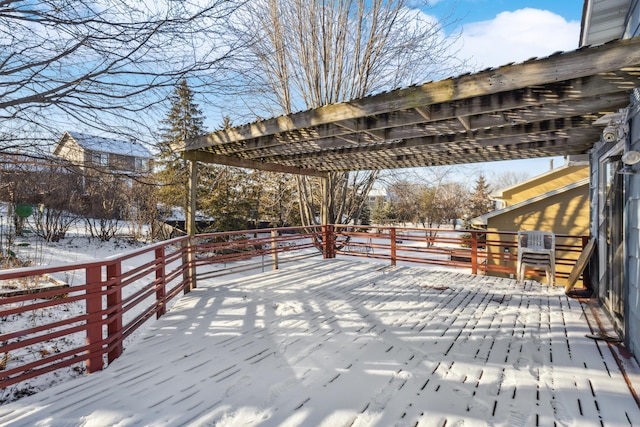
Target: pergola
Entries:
(538, 108)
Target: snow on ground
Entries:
(31, 250)
(341, 343)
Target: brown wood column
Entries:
(326, 197)
(192, 168)
(328, 237)
(190, 224)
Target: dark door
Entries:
(612, 253)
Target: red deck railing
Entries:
(493, 252)
(87, 322)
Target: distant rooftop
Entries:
(111, 146)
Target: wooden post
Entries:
(586, 273)
(114, 300)
(328, 241)
(94, 318)
(328, 249)
(189, 257)
(274, 249)
(474, 252)
(331, 239)
(325, 208)
(161, 285)
(392, 234)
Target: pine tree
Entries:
(479, 201)
(184, 121)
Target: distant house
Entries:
(376, 194)
(25, 179)
(94, 151)
(556, 201)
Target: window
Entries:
(101, 159)
(141, 164)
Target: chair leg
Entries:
(520, 276)
(547, 272)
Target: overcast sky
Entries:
(498, 32)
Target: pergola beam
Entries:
(622, 56)
(496, 136)
(203, 156)
(573, 97)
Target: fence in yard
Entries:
(86, 316)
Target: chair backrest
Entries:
(537, 240)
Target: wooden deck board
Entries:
(343, 343)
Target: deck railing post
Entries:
(474, 252)
(114, 302)
(161, 285)
(392, 236)
(94, 318)
(324, 233)
(274, 249)
(188, 265)
(328, 237)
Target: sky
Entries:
(498, 32)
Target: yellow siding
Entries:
(564, 213)
(557, 178)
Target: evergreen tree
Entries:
(183, 121)
(383, 211)
(225, 194)
(479, 201)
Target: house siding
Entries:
(632, 209)
(633, 20)
(611, 264)
(70, 150)
(552, 180)
(564, 213)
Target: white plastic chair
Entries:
(537, 249)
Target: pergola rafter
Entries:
(538, 108)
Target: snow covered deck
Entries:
(340, 343)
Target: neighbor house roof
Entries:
(109, 145)
(570, 161)
(482, 219)
(539, 108)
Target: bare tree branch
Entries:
(309, 53)
(92, 64)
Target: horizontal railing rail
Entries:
(102, 303)
(219, 254)
(85, 321)
(96, 309)
(480, 251)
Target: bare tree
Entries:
(102, 65)
(308, 53)
(52, 189)
(452, 199)
(105, 204)
(278, 202)
(509, 179)
(406, 198)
